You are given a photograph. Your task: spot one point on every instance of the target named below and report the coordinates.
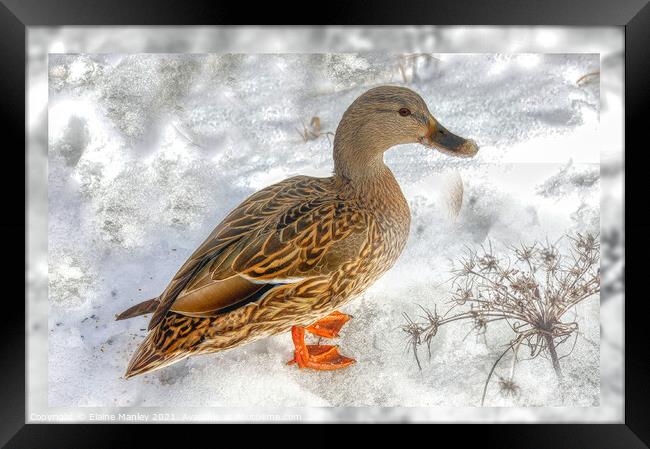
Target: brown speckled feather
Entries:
(279, 233)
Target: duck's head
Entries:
(386, 116)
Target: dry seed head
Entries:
(488, 263)
(462, 295)
(508, 387)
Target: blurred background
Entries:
(165, 115)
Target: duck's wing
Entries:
(278, 235)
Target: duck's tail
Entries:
(170, 341)
(148, 306)
(150, 357)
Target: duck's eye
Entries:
(404, 112)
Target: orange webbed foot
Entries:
(329, 326)
(320, 357)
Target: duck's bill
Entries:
(449, 143)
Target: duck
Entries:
(292, 254)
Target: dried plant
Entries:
(408, 63)
(508, 387)
(531, 288)
(588, 78)
(313, 131)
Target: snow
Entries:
(147, 153)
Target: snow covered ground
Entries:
(147, 153)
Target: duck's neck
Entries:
(381, 194)
(359, 170)
(365, 175)
(358, 157)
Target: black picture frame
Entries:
(17, 15)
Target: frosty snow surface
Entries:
(147, 153)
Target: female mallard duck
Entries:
(296, 251)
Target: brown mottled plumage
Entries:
(297, 250)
